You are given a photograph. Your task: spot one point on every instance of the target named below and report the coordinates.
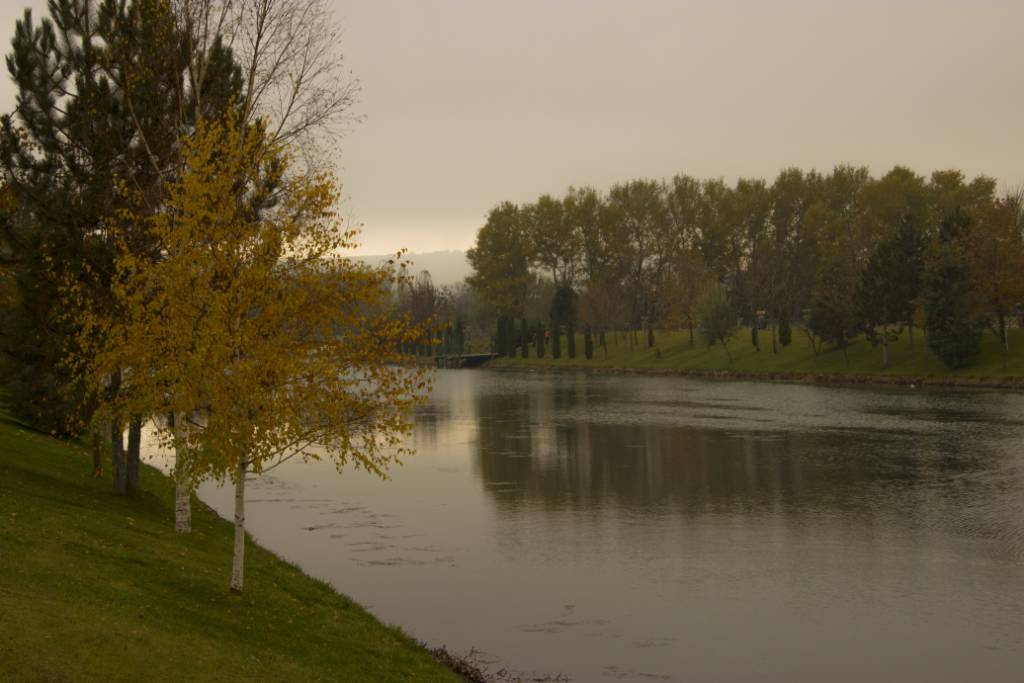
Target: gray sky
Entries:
(470, 102)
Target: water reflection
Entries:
(596, 445)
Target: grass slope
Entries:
(798, 359)
(99, 588)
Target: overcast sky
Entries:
(471, 102)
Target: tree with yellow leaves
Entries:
(252, 322)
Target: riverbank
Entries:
(99, 588)
(909, 364)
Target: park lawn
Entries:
(99, 588)
(798, 359)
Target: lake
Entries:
(654, 528)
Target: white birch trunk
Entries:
(238, 563)
(182, 506)
(182, 485)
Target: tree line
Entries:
(170, 250)
(835, 256)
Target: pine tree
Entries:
(96, 132)
(501, 336)
(785, 332)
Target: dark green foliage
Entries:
(570, 336)
(563, 305)
(512, 341)
(890, 282)
(785, 332)
(588, 344)
(524, 338)
(953, 316)
(460, 336)
(505, 339)
(717, 319)
(831, 315)
(556, 340)
(540, 341)
(72, 139)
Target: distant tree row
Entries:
(838, 255)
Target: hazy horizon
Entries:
(470, 103)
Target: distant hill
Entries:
(445, 267)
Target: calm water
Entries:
(622, 528)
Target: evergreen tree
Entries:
(832, 316)
(460, 336)
(101, 103)
(540, 340)
(570, 336)
(953, 316)
(501, 341)
(887, 288)
(588, 344)
(563, 312)
(785, 332)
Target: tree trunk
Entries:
(117, 441)
(910, 331)
(775, 347)
(691, 334)
(238, 562)
(97, 455)
(117, 457)
(726, 347)
(182, 485)
(132, 460)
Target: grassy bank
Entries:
(99, 588)
(862, 362)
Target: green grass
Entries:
(796, 360)
(99, 588)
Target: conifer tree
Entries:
(100, 109)
(953, 317)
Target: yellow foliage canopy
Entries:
(252, 319)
